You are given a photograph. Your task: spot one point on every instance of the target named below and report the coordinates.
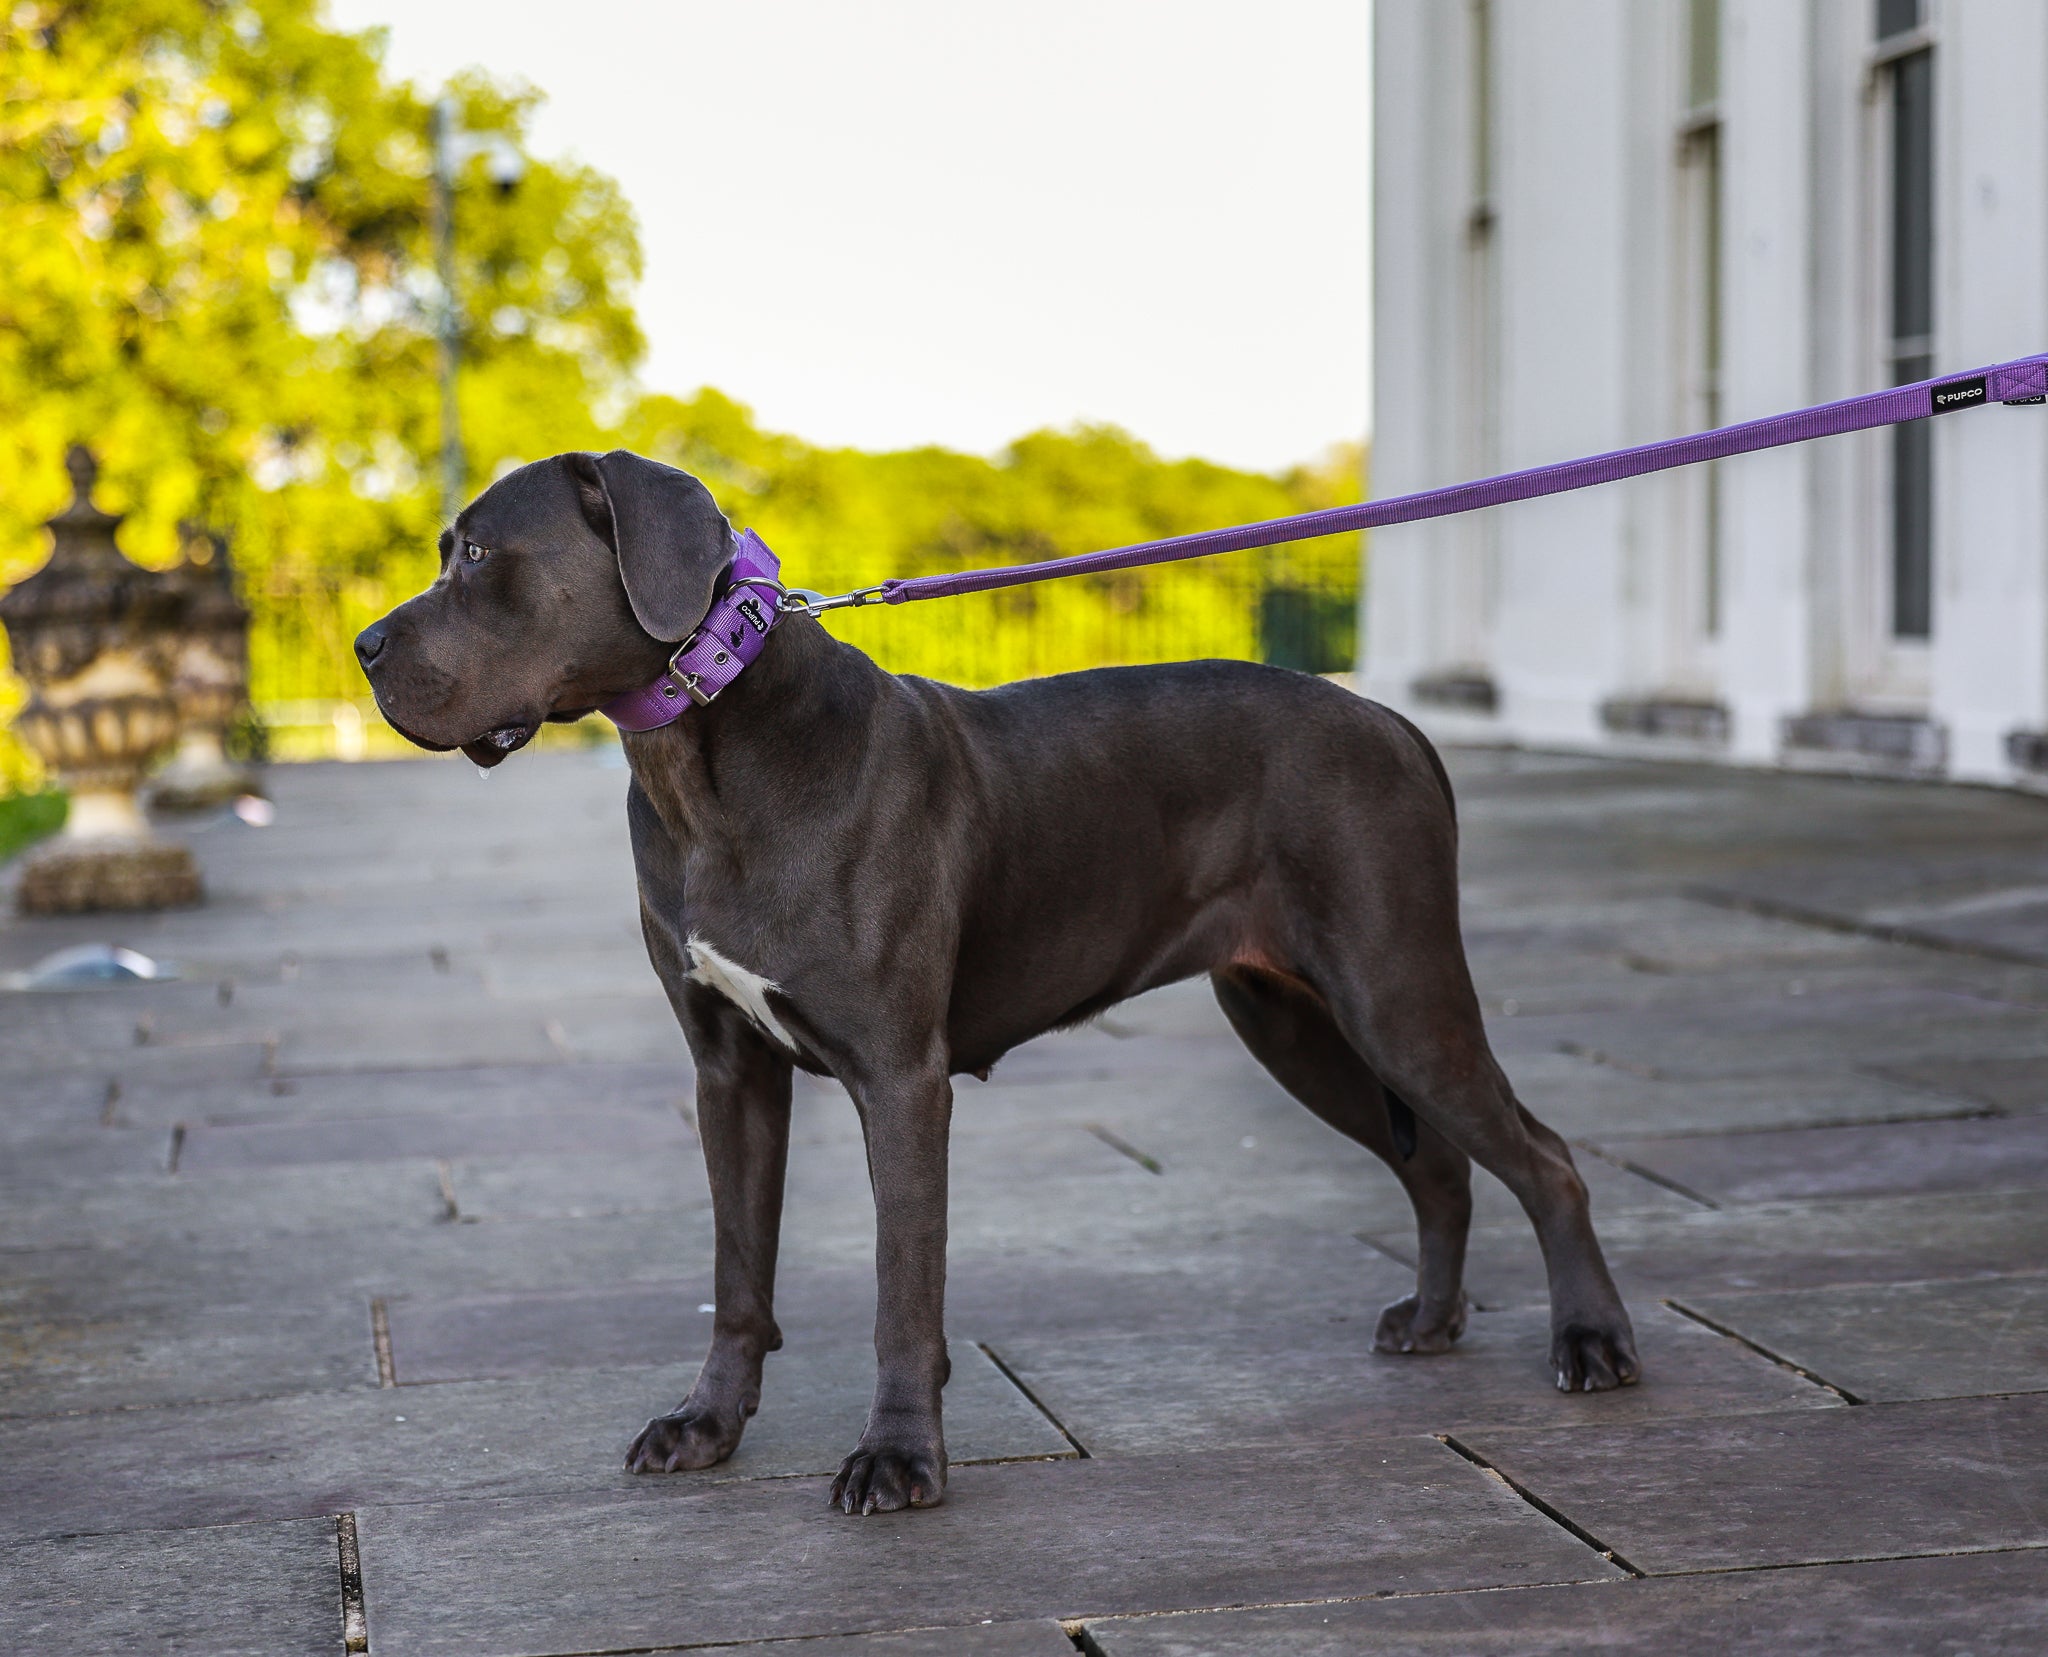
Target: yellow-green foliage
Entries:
(217, 271)
(841, 519)
(214, 233)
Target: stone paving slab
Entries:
(122, 1211)
(1996, 904)
(51, 1366)
(2019, 1084)
(441, 1135)
(1900, 1341)
(1979, 1154)
(235, 1591)
(577, 1186)
(1011, 1639)
(1150, 1393)
(330, 1452)
(1204, 1159)
(1222, 1285)
(1884, 1480)
(1881, 1026)
(80, 1156)
(364, 1260)
(768, 1559)
(1775, 1246)
(1987, 1605)
(550, 1089)
(1584, 1099)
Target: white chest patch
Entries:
(746, 990)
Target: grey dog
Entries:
(892, 882)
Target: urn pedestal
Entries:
(94, 637)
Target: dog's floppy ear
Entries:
(673, 542)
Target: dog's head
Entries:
(563, 585)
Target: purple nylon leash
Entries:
(2022, 381)
(733, 633)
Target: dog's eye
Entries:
(472, 553)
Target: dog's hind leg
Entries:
(1416, 1018)
(743, 1104)
(1290, 1032)
(1399, 989)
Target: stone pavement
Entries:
(385, 1225)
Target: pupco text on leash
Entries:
(893, 882)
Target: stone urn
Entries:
(209, 681)
(93, 637)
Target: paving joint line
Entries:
(380, 1341)
(1539, 1504)
(1763, 1351)
(1036, 1402)
(1777, 909)
(1123, 1147)
(1901, 1119)
(355, 1627)
(1649, 1174)
(1595, 1056)
(1536, 1587)
(444, 1173)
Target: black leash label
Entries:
(1955, 394)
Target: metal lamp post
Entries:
(453, 147)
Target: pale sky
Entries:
(891, 222)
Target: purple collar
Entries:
(726, 641)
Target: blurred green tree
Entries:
(214, 228)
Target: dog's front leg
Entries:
(743, 1096)
(901, 1458)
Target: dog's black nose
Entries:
(369, 642)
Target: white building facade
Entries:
(1602, 222)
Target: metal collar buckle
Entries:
(682, 679)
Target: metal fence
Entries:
(311, 701)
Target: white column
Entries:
(1767, 612)
(1418, 192)
(1990, 647)
(1564, 90)
(1396, 623)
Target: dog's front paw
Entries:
(1592, 1358)
(880, 1478)
(1403, 1328)
(689, 1438)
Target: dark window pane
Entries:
(1703, 53)
(1895, 17)
(1913, 515)
(1913, 197)
(1482, 101)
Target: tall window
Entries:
(1479, 340)
(1701, 263)
(1480, 326)
(1906, 62)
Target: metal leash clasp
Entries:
(802, 601)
